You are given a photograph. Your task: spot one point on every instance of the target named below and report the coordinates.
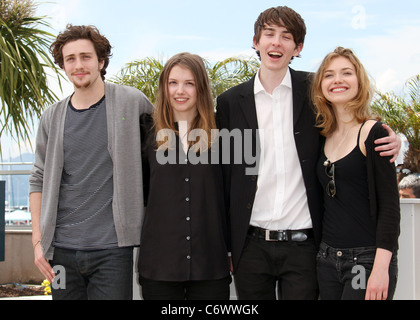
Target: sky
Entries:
(384, 34)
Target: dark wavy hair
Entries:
(73, 33)
(281, 16)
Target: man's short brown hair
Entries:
(73, 33)
(283, 17)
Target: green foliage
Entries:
(403, 116)
(230, 72)
(144, 74)
(141, 74)
(24, 90)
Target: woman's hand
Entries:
(378, 283)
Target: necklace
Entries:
(327, 162)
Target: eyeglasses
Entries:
(329, 171)
(404, 171)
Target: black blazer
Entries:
(236, 110)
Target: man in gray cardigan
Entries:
(86, 191)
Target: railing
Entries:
(17, 209)
(14, 172)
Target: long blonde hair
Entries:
(163, 115)
(360, 105)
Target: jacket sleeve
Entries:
(383, 192)
(222, 122)
(36, 177)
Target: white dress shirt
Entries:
(280, 201)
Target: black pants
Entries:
(288, 266)
(186, 290)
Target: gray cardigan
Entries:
(124, 106)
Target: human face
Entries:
(81, 63)
(182, 93)
(407, 193)
(277, 47)
(339, 82)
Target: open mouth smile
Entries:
(339, 90)
(181, 100)
(275, 55)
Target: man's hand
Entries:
(43, 264)
(392, 144)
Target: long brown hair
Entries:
(163, 115)
(360, 105)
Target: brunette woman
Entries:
(184, 250)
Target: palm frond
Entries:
(141, 74)
(231, 72)
(403, 116)
(24, 59)
(413, 86)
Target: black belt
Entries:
(281, 235)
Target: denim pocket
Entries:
(364, 257)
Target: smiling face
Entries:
(277, 47)
(339, 83)
(182, 93)
(80, 62)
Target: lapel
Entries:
(299, 93)
(247, 98)
(247, 103)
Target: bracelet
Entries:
(36, 243)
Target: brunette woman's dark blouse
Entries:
(184, 235)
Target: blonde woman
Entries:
(183, 251)
(361, 216)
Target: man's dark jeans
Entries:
(94, 275)
(289, 266)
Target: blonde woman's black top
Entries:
(365, 210)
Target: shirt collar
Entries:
(287, 82)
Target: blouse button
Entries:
(187, 179)
(187, 199)
(188, 218)
(188, 238)
(188, 257)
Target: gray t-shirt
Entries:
(84, 218)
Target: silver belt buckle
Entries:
(267, 236)
(283, 235)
